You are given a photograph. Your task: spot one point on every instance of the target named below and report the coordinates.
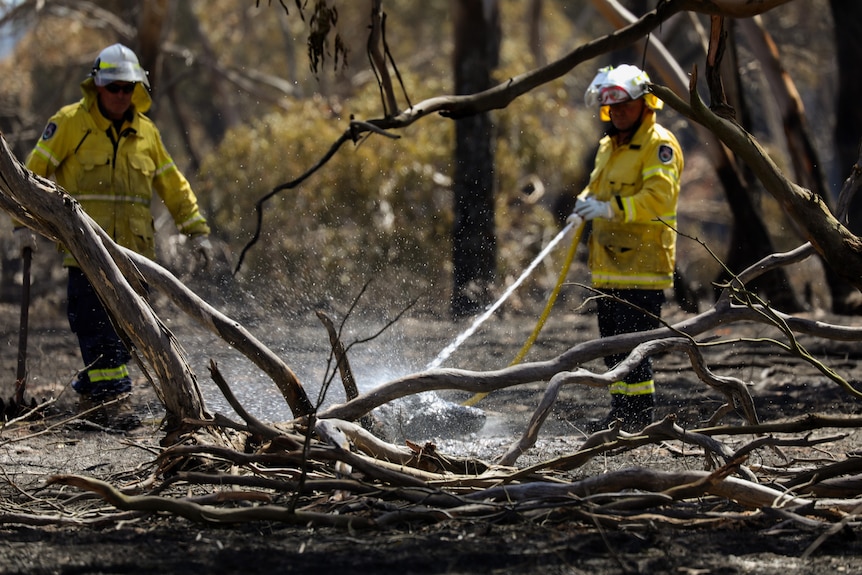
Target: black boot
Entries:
(640, 412)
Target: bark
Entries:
(55, 214)
(474, 247)
(151, 30)
(52, 212)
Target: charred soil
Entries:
(747, 542)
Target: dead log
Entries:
(746, 493)
(46, 208)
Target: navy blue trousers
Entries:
(104, 353)
(616, 317)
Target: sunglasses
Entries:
(124, 88)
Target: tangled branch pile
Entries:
(336, 474)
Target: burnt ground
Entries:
(782, 387)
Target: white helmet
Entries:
(614, 85)
(118, 63)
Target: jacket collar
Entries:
(646, 124)
(141, 102)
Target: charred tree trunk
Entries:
(847, 16)
(750, 240)
(474, 247)
(151, 30)
(800, 144)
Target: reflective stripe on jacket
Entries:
(113, 174)
(637, 248)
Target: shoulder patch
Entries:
(665, 154)
(49, 131)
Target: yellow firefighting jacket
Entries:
(637, 248)
(113, 173)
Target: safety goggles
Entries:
(124, 88)
(610, 95)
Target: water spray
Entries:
(449, 349)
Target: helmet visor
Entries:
(610, 95)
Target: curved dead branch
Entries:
(746, 493)
(205, 513)
(841, 249)
(734, 390)
(229, 330)
(488, 381)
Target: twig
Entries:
(256, 425)
(831, 531)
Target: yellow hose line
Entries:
(573, 248)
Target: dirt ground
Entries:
(763, 544)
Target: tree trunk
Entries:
(534, 35)
(474, 247)
(750, 240)
(847, 16)
(151, 27)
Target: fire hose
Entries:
(570, 256)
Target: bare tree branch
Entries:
(500, 96)
(838, 246)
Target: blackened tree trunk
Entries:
(474, 245)
(155, 16)
(750, 240)
(847, 16)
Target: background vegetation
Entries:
(242, 112)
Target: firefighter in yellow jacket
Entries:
(631, 200)
(110, 158)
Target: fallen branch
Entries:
(206, 513)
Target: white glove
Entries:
(575, 220)
(25, 239)
(591, 208)
(203, 249)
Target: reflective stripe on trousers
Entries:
(112, 374)
(640, 388)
